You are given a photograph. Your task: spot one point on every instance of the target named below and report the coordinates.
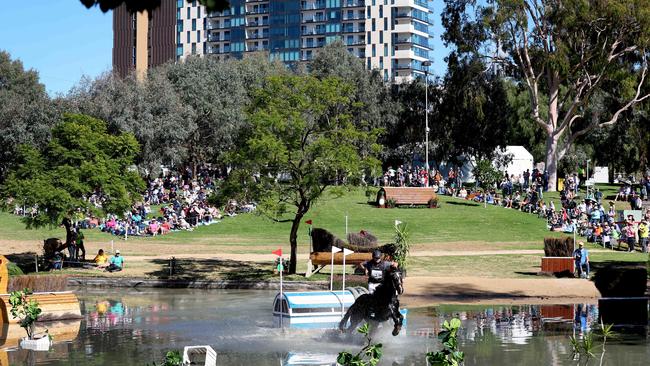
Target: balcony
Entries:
(314, 6)
(215, 14)
(257, 35)
(408, 54)
(408, 28)
(353, 17)
(314, 19)
(313, 45)
(215, 38)
(218, 26)
(411, 3)
(353, 4)
(353, 30)
(257, 48)
(257, 11)
(358, 42)
(259, 23)
(257, 1)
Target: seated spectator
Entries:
(116, 263)
(101, 259)
(165, 227)
(153, 227)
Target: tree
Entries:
(302, 139)
(218, 93)
(151, 110)
(564, 53)
(81, 161)
(140, 5)
(26, 112)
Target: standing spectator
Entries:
(630, 231)
(581, 258)
(643, 235)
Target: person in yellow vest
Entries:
(644, 229)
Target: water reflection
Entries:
(135, 328)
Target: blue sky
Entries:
(63, 40)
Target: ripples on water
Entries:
(123, 328)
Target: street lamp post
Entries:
(426, 65)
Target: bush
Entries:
(323, 240)
(433, 202)
(558, 247)
(362, 239)
(621, 281)
(14, 270)
(371, 193)
(391, 203)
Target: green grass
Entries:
(456, 221)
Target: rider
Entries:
(376, 270)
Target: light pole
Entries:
(426, 65)
(587, 177)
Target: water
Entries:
(127, 327)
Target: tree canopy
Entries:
(302, 139)
(573, 57)
(141, 5)
(81, 161)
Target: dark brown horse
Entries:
(53, 245)
(378, 307)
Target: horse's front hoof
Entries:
(397, 329)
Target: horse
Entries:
(378, 307)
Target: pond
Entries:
(129, 327)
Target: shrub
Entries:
(402, 245)
(362, 239)
(371, 193)
(14, 270)
(433, 202)
(558, 247)
(391, 203)
(449, 355)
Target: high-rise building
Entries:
(143, 40)
(389, 35)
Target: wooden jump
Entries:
(322, 259)
(407, 195)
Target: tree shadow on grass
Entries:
(189, 269)
(466, 292)
(462, 203)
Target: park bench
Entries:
(406, 195)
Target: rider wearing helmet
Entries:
(377, 269)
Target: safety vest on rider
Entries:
(377, 271)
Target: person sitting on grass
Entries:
(116, 263)
(101, 259)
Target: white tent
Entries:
(521, 160)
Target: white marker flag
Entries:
(347, 251)
(397, 222)
(336, 249)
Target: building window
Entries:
(179, 25)
(374, 51)
(385, 50)
(198, 12)
(188, 37)
(194, 48)
(198, 36)
(179, 50)
(373, 25)
(381, 11)
(381, 36)
(189, 15)
(368, 12)
(386, 24)
(193, 24)
(179, 4)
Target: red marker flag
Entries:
(308, 222)
(278, 252)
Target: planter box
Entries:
(558, 264)
(40, 344)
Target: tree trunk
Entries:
(293, 240)
(551, 162)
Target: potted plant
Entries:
(28, 311)
(402, 246)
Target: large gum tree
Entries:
(572, 57)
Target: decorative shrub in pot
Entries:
(28, 311)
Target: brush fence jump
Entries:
(314, 309)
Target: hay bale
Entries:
(39, 283)
(323, 240)
(621, 281)
(558, 247)
(363, 239)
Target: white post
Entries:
(343, 287)
(36, 262)
(334, 250)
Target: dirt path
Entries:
(425, 291)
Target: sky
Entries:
(64, 41)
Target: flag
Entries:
(278, 252)
(347, 251)
(397, 222)
(308, 222)
(336, 249)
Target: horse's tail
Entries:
(344, 321)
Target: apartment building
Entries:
(390, 35)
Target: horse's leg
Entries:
(398, 319)
(344, 321)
